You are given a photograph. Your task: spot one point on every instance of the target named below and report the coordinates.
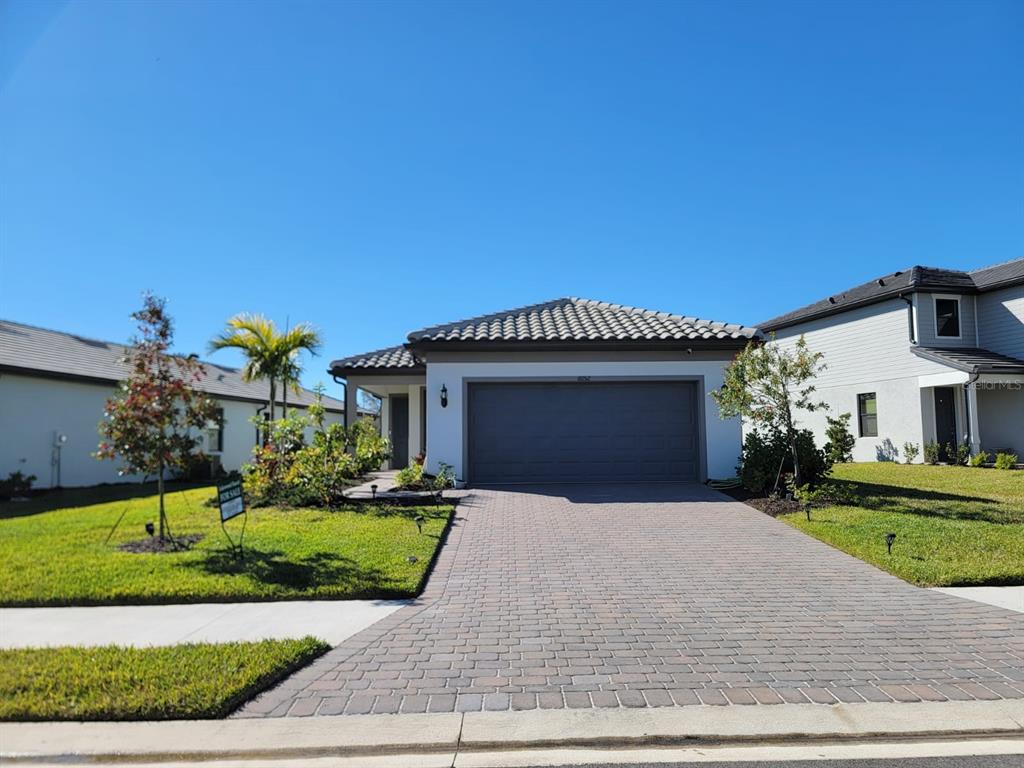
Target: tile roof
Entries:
(65, 354)
(573, 320)
(398, 358)
(971, 359)
(904, 281)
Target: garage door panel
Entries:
(577, 432)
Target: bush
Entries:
(981, 457)
(839, 447)
(410, 478)
(910, 451)
(288, 471)
(16, 485)
(957, 455)
(764, 454)
(1006, 460)
(931, 453)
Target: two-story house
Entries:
(921, 355)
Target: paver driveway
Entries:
(653, 595)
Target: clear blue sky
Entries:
(377, 167)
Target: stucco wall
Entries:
(445, 432)
(33, 408)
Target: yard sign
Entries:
(229, 496)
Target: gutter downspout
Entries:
(910, 317)
(343, 383)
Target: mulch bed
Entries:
(770, 505)
(153, 545)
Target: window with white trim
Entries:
(947, 317)
(867, 414)
(215, 432)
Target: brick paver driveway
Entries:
(653, 595)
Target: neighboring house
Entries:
(570, 390)
(53, 389)
(922, 355)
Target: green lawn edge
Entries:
(56, 556)
(954, 526)
(197, 681)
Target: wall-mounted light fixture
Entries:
(444, 396)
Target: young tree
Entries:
(767, 384)
(154, 421)
(270, 354)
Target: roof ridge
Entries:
(661, 314)
(490, 316)
(998, 264)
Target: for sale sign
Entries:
(229, 496)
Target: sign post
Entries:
(232, 504)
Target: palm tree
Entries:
(269, 354)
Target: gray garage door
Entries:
(583, 432)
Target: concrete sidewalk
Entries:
(455, 734)
(147, 625)
(1001, 597)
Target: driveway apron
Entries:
(650, 595)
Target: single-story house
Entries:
(922, 355)
(569, 390)
(53, 389)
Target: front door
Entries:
(399, 431)
(945, 420)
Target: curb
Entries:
(366, 735)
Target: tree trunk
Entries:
(797, 477)
(284, 399)
(273, 397)
(160, 490)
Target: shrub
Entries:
(321, 471)
(839, 447)
(931, 453)
(371, 450)
(765, 453)
(445, 477)
(910, 452)
(411, 477)
(981, 457)
(16, 484)
(1006, 460)
(957, 455)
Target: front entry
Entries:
(945, 420)
(399, 418)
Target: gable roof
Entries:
(40, 351)
(905, 282)
(584, 320)
(398, 359)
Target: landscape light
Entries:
(150, 529)
(444, 396)
(373, 490)
(889, 539)
(420, 519)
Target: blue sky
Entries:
(377, 167)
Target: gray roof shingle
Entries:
(904, 281)
(28, 348)
(583, 320)
(971, 359)
(398, 358)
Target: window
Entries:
(215, 432)
(867, 412)
(947, 318)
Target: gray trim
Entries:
(575, 356)
(702, 461)
(425, 347)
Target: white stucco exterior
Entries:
(34, 409)
(446, 426)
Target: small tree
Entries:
(767, 384)
(839, 447)
(153, 423)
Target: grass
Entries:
(111, 683)
(55, 552)
(954, 526)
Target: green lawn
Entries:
(111, 683)
(54, 551)
(954, 526)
